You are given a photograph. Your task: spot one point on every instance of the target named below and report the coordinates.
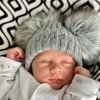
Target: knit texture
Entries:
(53, 36)
(77, 34)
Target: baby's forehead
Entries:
(54, 54)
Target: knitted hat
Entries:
(77, 34)
(53, 36)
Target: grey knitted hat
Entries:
(53, 36)
(77, 34)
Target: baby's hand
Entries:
(82, 71)
(16, 54)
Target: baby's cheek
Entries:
(40, 77)
(68, 75)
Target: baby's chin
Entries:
(56, 86)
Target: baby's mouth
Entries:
(55, 80)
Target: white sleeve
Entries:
(84, 87)
(8, 68)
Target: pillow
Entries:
(14, 12)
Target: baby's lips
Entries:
(55, 80)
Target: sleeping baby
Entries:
(54, 56)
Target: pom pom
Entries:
(27, 29)
(85, 26)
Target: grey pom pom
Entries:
(27, 29)
(85, 25)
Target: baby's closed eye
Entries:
(66, 64)
(45, 62)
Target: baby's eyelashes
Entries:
(45, 61)
(49, 62)
(66, 64)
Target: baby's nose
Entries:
(56, 68)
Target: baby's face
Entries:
(53, 67)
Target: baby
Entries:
(54, 54)
(54, 67)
